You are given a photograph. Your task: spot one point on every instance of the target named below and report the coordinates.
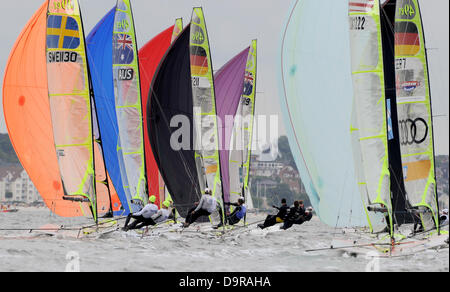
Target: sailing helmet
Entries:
(309, 209)
(152, 199)
(241, 199)
(166, 203)
(208, 191)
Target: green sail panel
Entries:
(128, 105)
(370, 129)
(70, 101)
(206, 142)
(241, 140)
(414, 111)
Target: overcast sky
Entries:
(232, 24)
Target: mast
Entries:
(398, 194)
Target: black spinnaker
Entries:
(170, 124)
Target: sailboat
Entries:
(183, 82)
(126, 78)
(205, 124)
(29, 116)
(393, 169)
(100, 50)
(242, 133)
(72, 105)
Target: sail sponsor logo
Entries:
(406, 10)
(413, 131)
(416, 170)
(122, 25)
(124, 52)
(409, 86)
(198, 37)
(62, 57)
(63, 4)
(125, 74)
(62, 32)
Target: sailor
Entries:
(443, 219)
(142, 216)
(239, 212)
(293, 214)
(302, 219)
(205, 207)
(278, 218)
(172, 210)
(161, 216)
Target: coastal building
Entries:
(16, 186)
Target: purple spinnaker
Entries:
(229, 86)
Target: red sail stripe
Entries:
(411, 39)
(360, 7)
(199, 61)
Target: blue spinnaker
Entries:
(99, 50)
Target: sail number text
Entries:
(195, 81)
(62, 57)
(358, 23)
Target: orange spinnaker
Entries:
(28, 119)
(149, 57)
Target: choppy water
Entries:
(252, 250)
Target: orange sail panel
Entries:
(28, 119)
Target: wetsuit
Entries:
(205, 207)
(294, 215)
(274, 219)
(141, 218)
(238, 213)
(159, 217)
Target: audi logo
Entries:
(413, 131)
